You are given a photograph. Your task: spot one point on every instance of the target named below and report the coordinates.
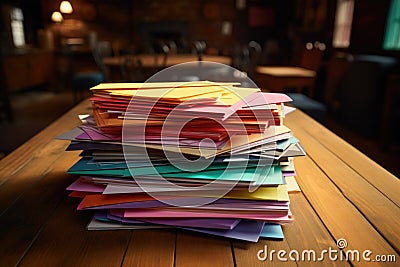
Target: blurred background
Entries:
(345, 54)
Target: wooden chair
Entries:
(245, 57)
(132, 68)
(5, 103)
(254, 53)
(390, 113)
(200, 48)
(100, 51)
(82, 80)
(281, 78)
(165, 50)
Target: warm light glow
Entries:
(65, 7)
(56, 16)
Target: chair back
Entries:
(165, 52)
(132, 68)
(246, 57)
(200, 48)
(312, 55)
(254, 53)
(101, 50)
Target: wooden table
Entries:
(154, 61)
(279, 78)
(344, 195)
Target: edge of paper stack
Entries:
(105, 181)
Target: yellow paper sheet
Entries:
(153, 85)
(226, 93)
(237, 141)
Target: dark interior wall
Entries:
(268, 23)
(184, 22)
(369, 23)
(267, 19)
(123, 20)
(291, 22)
(259, 20)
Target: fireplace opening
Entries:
(153, 34)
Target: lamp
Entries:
(66, 7)
(56, 16)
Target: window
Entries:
(17, 27)
(392, 34)
(343, 21)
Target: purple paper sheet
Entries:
(95, 135)
(246, 230)
(82, 186)
(84, 145)
(202, 223)
(217, 203)
(282, 217)
(288, 173)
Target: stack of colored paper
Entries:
(201, 156)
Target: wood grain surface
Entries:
(345, 195)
